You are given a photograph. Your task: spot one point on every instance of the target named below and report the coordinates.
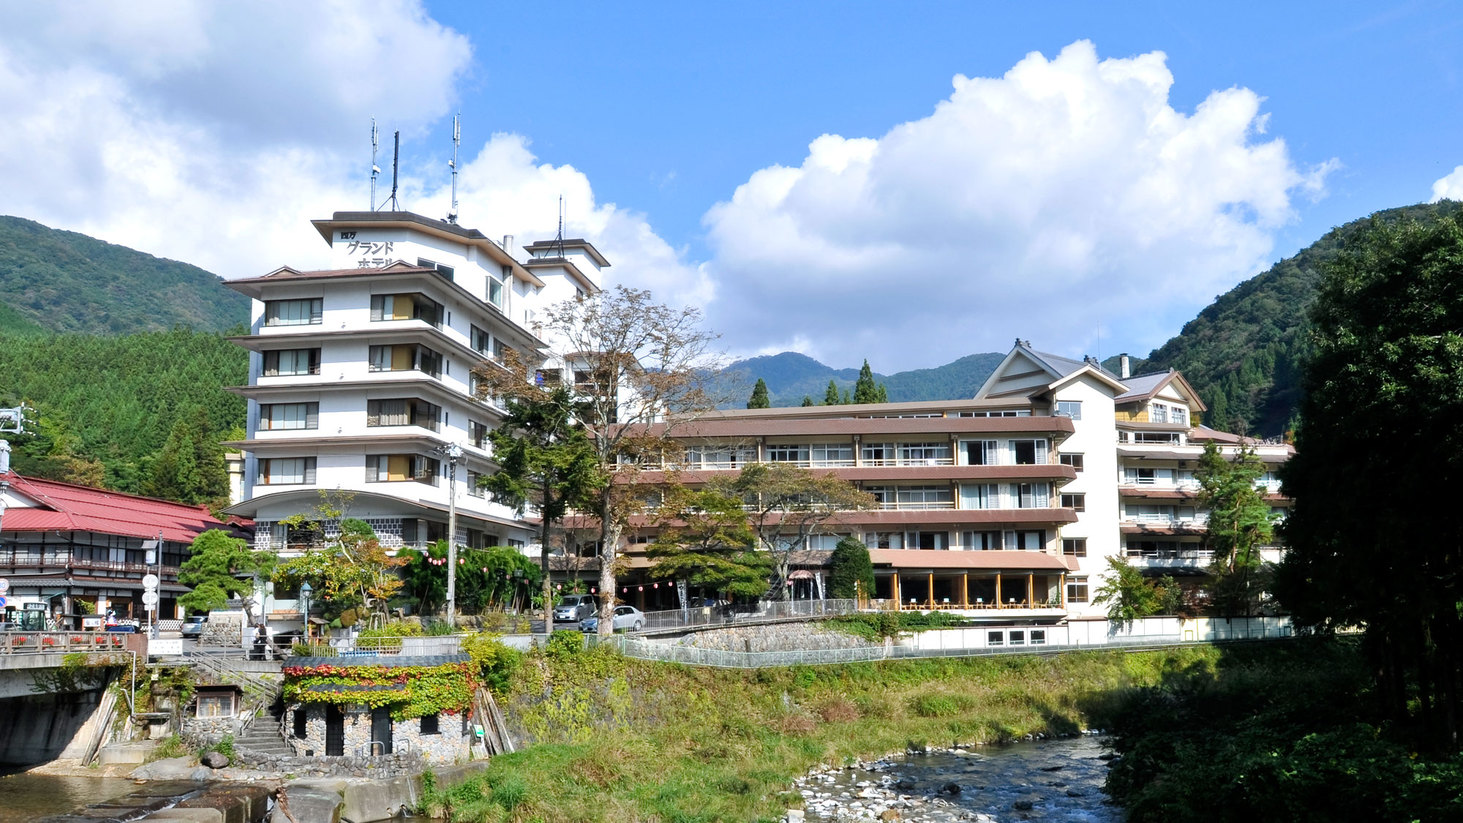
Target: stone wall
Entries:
(450, 744)
(774, 638)
(222, 630)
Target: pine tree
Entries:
(759, 398)
(807, 401)
(830, 397)
(864, 390)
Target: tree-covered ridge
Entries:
(790, 376)
(106, 408)
(67, 282)
(1244, 353)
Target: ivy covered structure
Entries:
(379, 704)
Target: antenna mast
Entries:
(395, 164)
(456, 144)
(560, 238)
(375, 169)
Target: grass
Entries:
(612, 739)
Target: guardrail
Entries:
(714, 658)
(61, 642)
(391, 646)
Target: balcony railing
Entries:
(916, 505)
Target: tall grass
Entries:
(612, 739)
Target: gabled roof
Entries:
(1143, 386)
(65, 507)
(1056, 368)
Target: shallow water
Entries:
(26, 797)
(1061, 780)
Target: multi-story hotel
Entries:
(361, 376)
(1008, 504)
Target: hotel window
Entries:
(403, 412)
(927, 541)
(477, 434)
(980, 496)
(787, 454)
(832, 454)
(1028, 452)
(1017, 637)
(1074, 546)
(287, 362)
(391, 468)
(1075, 502)
(406, 358)
(884, 540)
(1026, 541)
(924, 454)
(1069, 408)
(1073, 460)
(495, 288)
(878, 454)
(824, 542)
(445, 271)
(982, 452)
(1142, 477)
(995, 638)
(482, 342)
(1038, 637)
(1076, 590)
(1029, 495)
(406, 307)
(474, 485)
(924, 497)
(280, 471)
(306, 312)
(1158, 413)
(981, 541)
(277, 416)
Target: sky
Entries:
(905, 182)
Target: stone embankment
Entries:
(778, 637)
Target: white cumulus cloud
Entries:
(1066, 197)
(1449, 187)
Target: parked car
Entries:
(572, 607)
(193, 626)
(627, 618)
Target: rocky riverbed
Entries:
(1051, 781)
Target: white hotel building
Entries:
(361, 375)
(1007, 505)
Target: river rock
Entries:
(215, 760)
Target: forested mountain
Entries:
(62, 281)
(791, 377)
(140, 413)
(1243, 353)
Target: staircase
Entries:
(264, 735)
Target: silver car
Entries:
(627, 618)
(572, 608)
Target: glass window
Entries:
(995, 638)
(1073, 460)
(1076, 590)
(787, 454)
(878, 454)
(403, 412)
(1069, 408)
(430, 724)
(306, 312)
(924, 454)
(1038, 637)
(1017, 637)
(981, 541)
(286, 471)
(1075, 502)
(474, 485)
(391, 468)
(276, 416)
(1158, 413)
(1074, 546)
(406, 307)
(924, 497)
(283, 362)
(1029, 495)
(832, 454)
(477, 434)
(1028, 452)
(928, 541)
(482, 342)
(982, 452)
(979, 496)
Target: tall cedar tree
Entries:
(850, 572)
(831, 396)
(546, 459)
(1379, 437)
(865, 390)
(220, 567)
(759, 398)
(788, 505)
(807, 401)
(640, 371)
(1239, 524)
(704, 539)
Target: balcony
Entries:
(1195, 559)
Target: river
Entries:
(27, 797)
(1054, 781)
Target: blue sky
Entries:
(813, 175)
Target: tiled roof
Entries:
(1142, 385)
(65, 507)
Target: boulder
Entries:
(215, 760)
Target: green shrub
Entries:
(495, 661)
(937, 705)
(563, 645)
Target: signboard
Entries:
(91, 622)
(165, 647)
(149, 599)
(149, 581)
(2, 601)
(4, 585)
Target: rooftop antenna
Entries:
(560, 238)
(375, 169)
(456, 144)
(395, 164)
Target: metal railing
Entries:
(388, 646)
(61, 642)
(767, 611)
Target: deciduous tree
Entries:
(1239, 524)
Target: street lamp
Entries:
(305, 607)
(453, 453)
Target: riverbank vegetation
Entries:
(613, 739)
(1290, 731)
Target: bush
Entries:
(495, 661)
(564, 645)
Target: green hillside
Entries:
(791, 376)
(62, 281)
(1244, 352)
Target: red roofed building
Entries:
(63, 545)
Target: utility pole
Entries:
(454, 453)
